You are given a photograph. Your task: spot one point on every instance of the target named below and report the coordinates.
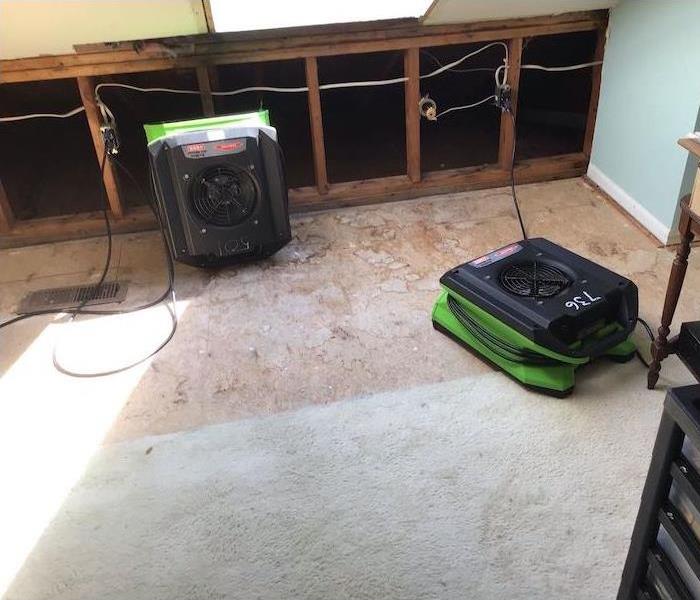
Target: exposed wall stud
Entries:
(7, 217)
(318, 145)
(412, 96)
(507, 138)
(204, 84)
(214, 78)
(595, 92)
(86, 85)
(208, 51)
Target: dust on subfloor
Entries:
(343, 310)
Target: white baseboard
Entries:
(638, 212)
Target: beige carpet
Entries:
(472, 489)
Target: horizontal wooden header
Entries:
(294, 43)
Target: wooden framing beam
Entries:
(363, 30)
(316, 120)
(86, 86)
(71, 227)
(400, 187)
(202, 50)
(208, 16)
(352, 193)
(7, 217)
(507, 138)
(204, 84)
(412, 96)
(214, 83)
(595, 92)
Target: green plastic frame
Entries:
(157, 131)
(556, 380)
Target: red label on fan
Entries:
(231, 146)
(195, 149)
(496, 255)
(214, 148)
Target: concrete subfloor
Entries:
(343, 310)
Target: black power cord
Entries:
(504, 101)
(507, 351)
(105, 269)
(650, 333)
(168, 294)
(498, 346)
(509, 110)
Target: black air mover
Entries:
(220, 188)
(538, 311)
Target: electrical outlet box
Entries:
(503, 97)
(110, 139)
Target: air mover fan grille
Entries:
(224, 195)
(534, 279)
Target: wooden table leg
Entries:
(660, 347)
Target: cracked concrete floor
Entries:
(343, 310)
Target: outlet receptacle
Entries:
(503, 97)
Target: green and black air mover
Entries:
(220, 188)
(538, 312)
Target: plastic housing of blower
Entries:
(220, 188)
(538, 312)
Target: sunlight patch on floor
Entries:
(52, 424)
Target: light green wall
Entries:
(650, 96)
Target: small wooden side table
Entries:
(688, 227)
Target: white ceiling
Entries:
(464, 11)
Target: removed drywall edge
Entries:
(631, 206)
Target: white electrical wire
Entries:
(501, 68)
(554, 69)
(126, 86)
(71, 113)
(325, 86)
(473, 105)
(459, 61)
(499, 82)
(351, 84)
(436, 60)
(328, 86)
(260, 88)
(565, 68)
(107, 113)
(505, 77)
